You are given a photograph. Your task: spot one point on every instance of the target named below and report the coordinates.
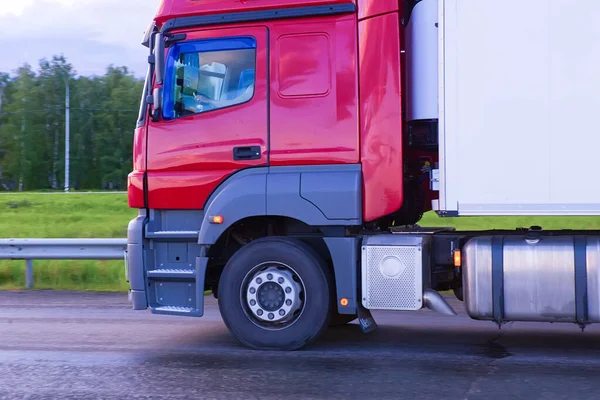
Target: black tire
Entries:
(317, 308)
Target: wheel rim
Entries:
(273, 295)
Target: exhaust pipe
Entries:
(434, 301)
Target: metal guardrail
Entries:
(60, 249)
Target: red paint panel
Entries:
(188, 157)
(183, 145)
(135, 190)
(178, 8)
(164, 8)
(317, 81)
(314, 92)
(371, 8)
(381, 117)
(139, 149)
(182, 190)
(135, 181)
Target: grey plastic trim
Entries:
(183, 311)
(175, 292)
(241, 196)
(170, 273)
(201, 265)
(334, 192)
(135, 261)
(317, 195)
(278, 191)
(137, 298)
(250, 16)
(164, 235)
(395, 240)
(344, 253)
(174, 223)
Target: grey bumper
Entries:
(135, 262)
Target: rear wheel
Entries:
(276, 293)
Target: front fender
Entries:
(241, 196)
(316, 195)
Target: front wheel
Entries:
(276, 293)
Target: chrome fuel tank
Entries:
(518, 278)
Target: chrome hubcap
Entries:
(273, 295)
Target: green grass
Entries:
(35, 215)
(101, 276)
(103, 215)
(106, 215)
(482, 223)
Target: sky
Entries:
(91, 34)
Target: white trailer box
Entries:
(519, 93)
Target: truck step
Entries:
(176, 310)
(172, 235)
(173, 290)
(168, 273)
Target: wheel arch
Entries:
(329, 195)
(341, 253)
(315, 203)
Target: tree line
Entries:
(103, 113)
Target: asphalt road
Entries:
(78, 346)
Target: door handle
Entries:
(246, 153)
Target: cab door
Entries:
(214, 119)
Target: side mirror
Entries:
(147, 38)
(159, 68)
(159, 57)
(157, 98)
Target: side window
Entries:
(209, 75)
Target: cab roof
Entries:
(170, 9)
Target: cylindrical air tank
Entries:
(422, 61)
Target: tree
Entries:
(32, 125)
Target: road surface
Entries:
(56, 345)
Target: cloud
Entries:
(91, 33)
(14, 8)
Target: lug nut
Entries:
(280, 280)
(258, 280)
(288, 302)
(282, 312)
(252, 303)
(252, 290)
(260, 312)
(288, 289)
(271, 316)
(269, 276)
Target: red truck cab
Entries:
(321, 87)
(276, 124)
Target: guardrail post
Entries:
(29, 274)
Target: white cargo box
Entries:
(519, 94)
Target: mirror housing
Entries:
(147, 37)
(159, 57)
(157, 98)
(159, 72)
